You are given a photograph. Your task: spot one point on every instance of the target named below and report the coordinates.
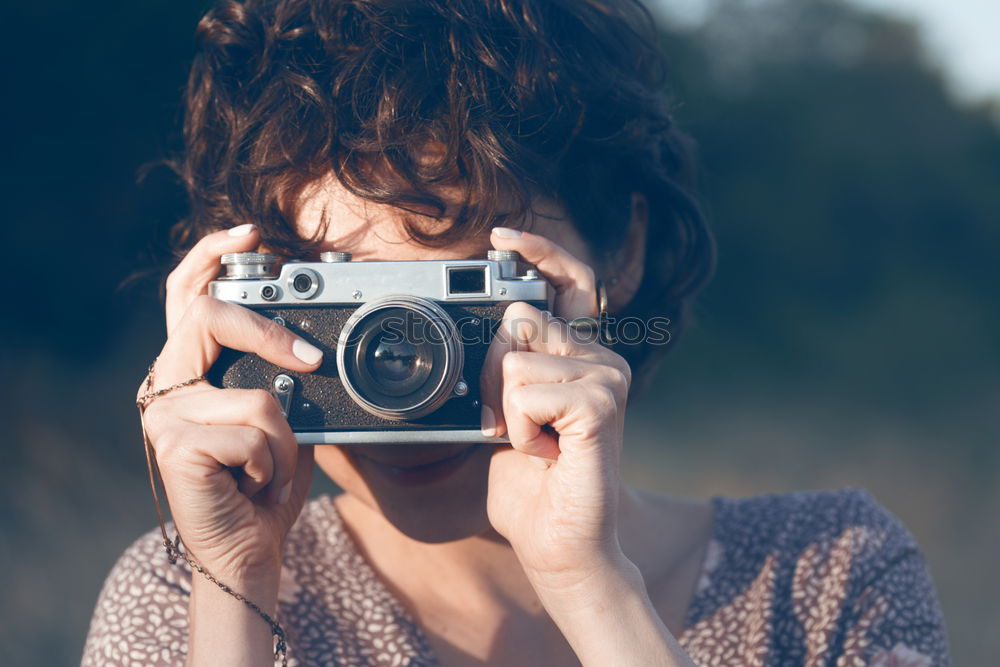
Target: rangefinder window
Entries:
(467, 280)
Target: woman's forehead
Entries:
(374, 231)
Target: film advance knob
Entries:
(334, 257)
(502, 255)
(248, 258)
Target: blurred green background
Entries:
(849, 338)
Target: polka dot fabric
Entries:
(813, 579)
(797, 579)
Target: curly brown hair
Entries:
(558, 98)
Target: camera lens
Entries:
(399, 357)
(302, 283)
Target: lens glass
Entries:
(396, 359)
(393, 362)
(396, 366)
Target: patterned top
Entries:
(801, 579)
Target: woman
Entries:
(439, 130)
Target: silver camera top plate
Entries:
(346, 282)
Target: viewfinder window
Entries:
(467, 280)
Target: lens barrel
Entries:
(399, 357)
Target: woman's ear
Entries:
(624, 269)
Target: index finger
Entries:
(209, 325)
(573, 280)
(200, 266)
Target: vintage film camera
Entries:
(403, 342)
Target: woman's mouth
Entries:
(416, 474)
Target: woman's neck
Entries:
(482, 569)
(471, 597)
(474, 570)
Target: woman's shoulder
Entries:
(790, 523)
(330, 601)
(141, 613)
(145, 562)
(146, 558)
(827, 572)
(808, 544)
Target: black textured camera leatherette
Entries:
(320, 402)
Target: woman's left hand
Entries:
(553, 493)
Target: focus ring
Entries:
(453, 357)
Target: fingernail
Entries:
(285, 492)
(242, 230)
(506, 232)
(489, 422)
(306, 352)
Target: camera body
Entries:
(403, 342)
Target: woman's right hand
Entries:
(234, 476)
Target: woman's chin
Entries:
(441, 500)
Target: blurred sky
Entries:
(961, 36)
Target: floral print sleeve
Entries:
(141, 614)
(894, 619)
(335, 610)
(814, 579)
